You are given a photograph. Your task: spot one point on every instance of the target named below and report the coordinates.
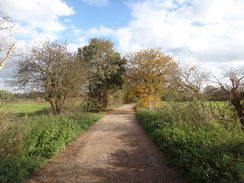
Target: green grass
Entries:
(24, 107)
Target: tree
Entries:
(234, 90)
(6, 39)
(106, 68)
(50, 68)
(190, 83)
(191, 80)
(213, 93)
(5, 96)
(148, 73)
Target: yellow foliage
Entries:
(148, 72)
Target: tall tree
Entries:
(51, 68)
(6, 39)
(105, 71)
(148, 73)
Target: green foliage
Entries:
(207, 153)
(105, 71)
(215, 93)
(18, 169)
(5, 96)
(28, 142)
(116, 99)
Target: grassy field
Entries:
(24, 107)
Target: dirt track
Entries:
(114, 150)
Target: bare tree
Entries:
(6, 39)
(188, 86)
(191, 81)
(50, 68)
(234, 90)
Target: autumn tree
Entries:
(106, 68)
(6, 39)
(148, 73)
(51, 68)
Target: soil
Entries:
(113, 150)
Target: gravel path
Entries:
(113, 150)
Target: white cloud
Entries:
(37, 19)
(101, 31)
(79, 43)
(97, 2)
(201, 30)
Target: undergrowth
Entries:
(205, 153)
(28, 142)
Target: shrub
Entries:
(207, 153)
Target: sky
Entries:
(206, 32)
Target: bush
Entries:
(17, 169)
(28, 142)
(208, 153)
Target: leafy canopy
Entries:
(105, 71)
(148, 73)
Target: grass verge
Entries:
(207, 153)
(28, 142)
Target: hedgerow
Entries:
(206, 153)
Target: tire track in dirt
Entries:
(113, 150)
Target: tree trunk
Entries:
(48, 99)
(59, 105)
(236, 102)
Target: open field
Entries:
(33, 106)
(24, 107)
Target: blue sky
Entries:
(206, 32)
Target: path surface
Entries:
(113, 150)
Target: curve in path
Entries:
(115, 149)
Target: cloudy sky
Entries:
(209, 32)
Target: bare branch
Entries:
(9, 53)
(6, 42)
